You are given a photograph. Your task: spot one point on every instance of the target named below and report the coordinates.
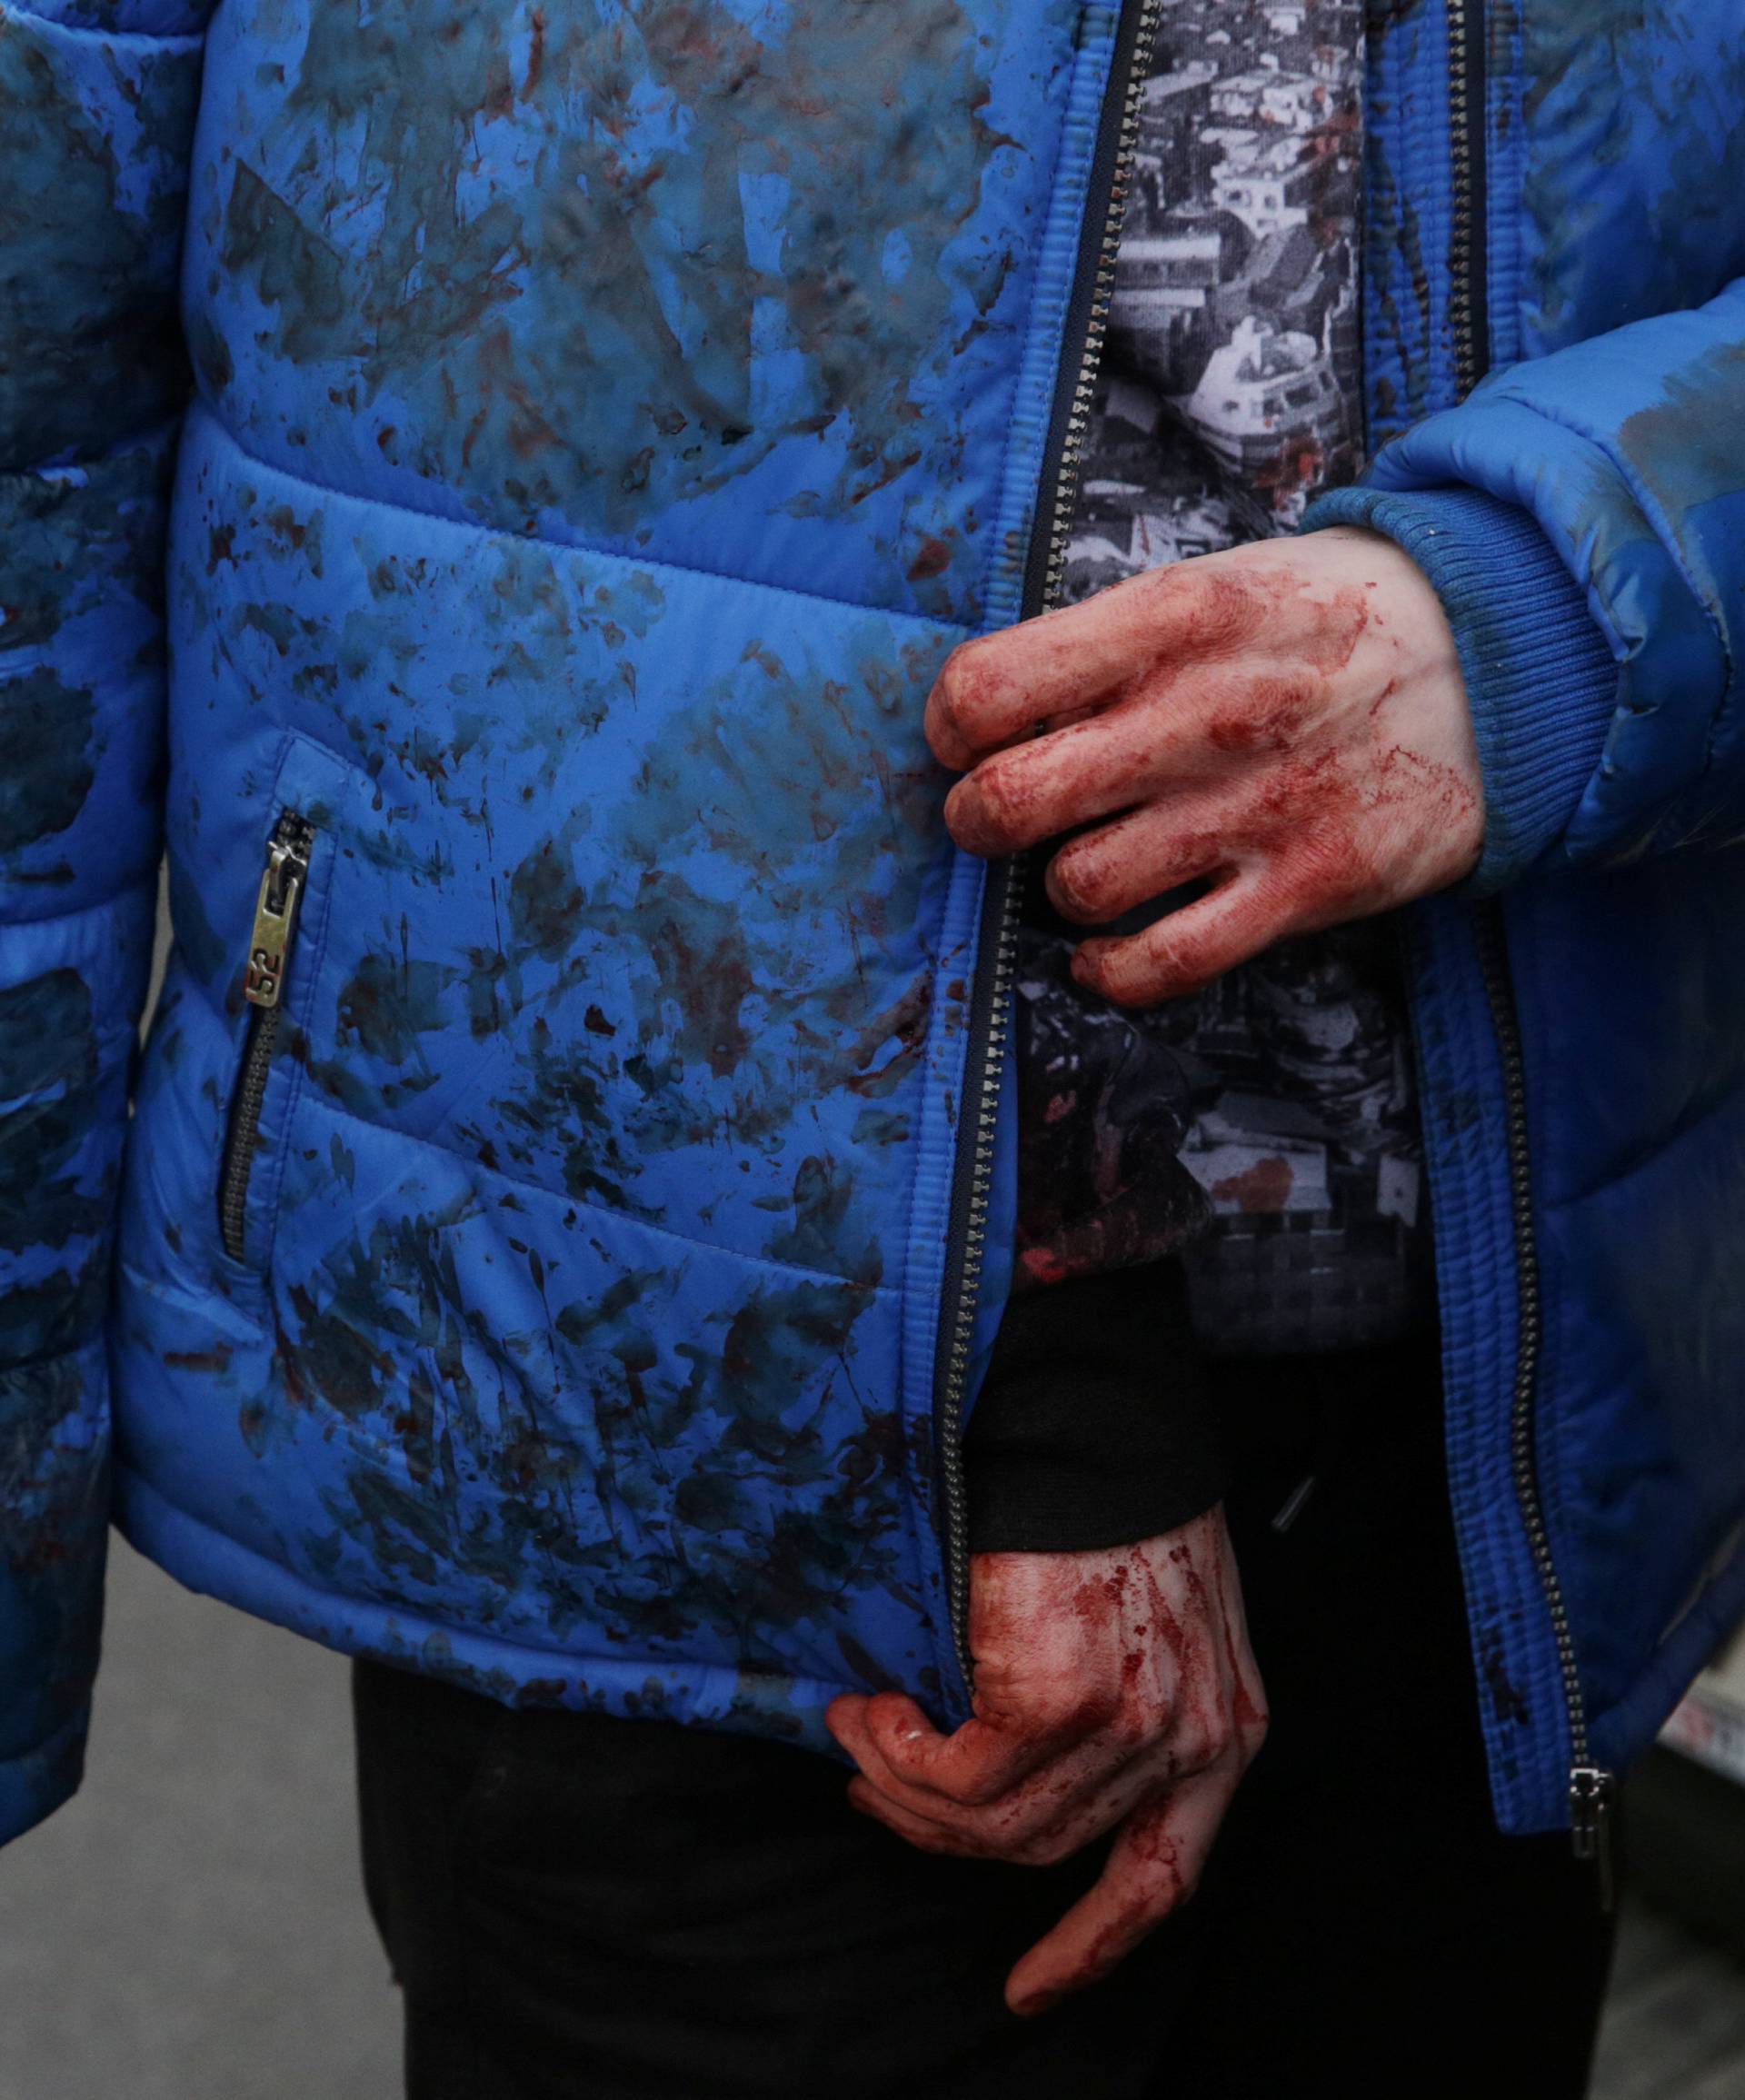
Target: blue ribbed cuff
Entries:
(1540, 676)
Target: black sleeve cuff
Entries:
(1094, 1426)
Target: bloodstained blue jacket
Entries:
(568, 1192)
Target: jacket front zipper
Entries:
(989, 1019)
(1591, 1786)
(282, 882)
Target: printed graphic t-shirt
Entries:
(1266, 1127)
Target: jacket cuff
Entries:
(1540, 679)
(39, 1780)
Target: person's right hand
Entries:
(1287, 721)
(1111, 1688)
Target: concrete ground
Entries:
(192, 1926)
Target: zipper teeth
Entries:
(1066, 482)
(1063, 498)
(245, 1124)
(1468, 361)
(987, 1115)
(295, 832)
(1523, 1458)
(1462, 227)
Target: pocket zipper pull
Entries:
(1590, 1802)
(276, 910)
(269, 957)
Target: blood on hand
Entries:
(1286, 724)
(1114, 1689)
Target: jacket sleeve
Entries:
(1582, 517)
(96, 112)
(1096, 1425)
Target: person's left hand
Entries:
(1114, 1689)
(1287, 721)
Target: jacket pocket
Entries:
(271, 951)
(304, 835)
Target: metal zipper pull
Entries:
(276, 910)
(269, 958)
(1591, 1789)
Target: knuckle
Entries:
(887, 1715)
(956, 1823)
(979, 1793)
(1269, 716)
(983, 809)
(997, 793)
(997, 1837)
(964, 684)
(1013, 1851)
(1017, 1828)
(1289, 697)
(1049, 1711)
(1189, 960)
(1131, 977)
(1221, 607)
(1078, 880)
(1327, 853)
(1050, 1848)
(1132, 1727)
(1073, 1711)
(1329, 874)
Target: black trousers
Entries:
(580, 1907)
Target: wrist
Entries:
(1540, 679)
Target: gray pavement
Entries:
(192, 1926)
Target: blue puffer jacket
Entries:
(569, 1194)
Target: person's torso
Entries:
(608, 421)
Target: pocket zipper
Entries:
(269, 958)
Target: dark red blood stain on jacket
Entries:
(1261, 1187)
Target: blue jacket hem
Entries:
(1540, 676)
(476, 1657)
(38, 1781)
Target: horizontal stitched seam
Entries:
(105, 903)
(582, 547)
(140, 440)
(157, 39)
(603, 1210)
(91, 1345)
(108, 1038)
